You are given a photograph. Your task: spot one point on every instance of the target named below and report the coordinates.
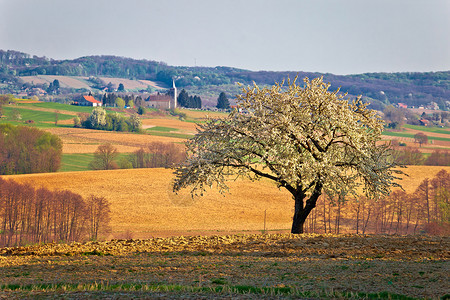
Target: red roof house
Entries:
(424, 122)
(89, 101)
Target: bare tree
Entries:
(104, 158)
(56, 117)
(98, 210)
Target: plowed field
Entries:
(232, 267)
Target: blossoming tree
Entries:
(304, 138)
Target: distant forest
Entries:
(379, 89)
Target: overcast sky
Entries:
(329, 36)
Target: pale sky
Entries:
(328, 36)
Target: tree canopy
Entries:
(120, 103)
(26, 150)
(104, 158)
(420, 138)
(306, 139)
(184, 100)
(222, 101)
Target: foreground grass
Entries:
(181, 291)
(239, 266)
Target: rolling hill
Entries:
(143, 204)
(378, 89)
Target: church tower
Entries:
(173, 96)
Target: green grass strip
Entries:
(170, 134)
(214, 289)
(410, 135)
(58, 106)
(428, 129)
(162, 129)
(73, 162)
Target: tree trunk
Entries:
(302, 210)
(298, 220)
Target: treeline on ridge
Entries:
(377, 88)
(29, 215)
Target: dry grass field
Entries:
(65, 81)
(177, 125)
(202, 115)
(143, 204)
(157, 85)
(78, 82)
(80, 140)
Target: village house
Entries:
(164, 101)
(424, 122)
(87, 101)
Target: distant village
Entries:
(156, 100)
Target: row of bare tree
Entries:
(427, 210)
(413, 156)
(153, 155)
(158, 155)
(29, 215)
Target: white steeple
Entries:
(174, 94)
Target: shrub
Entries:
(99, 119)
(28, 150)
(141, 110)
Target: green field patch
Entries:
(39, 118)
(170, 134)
(411, 135)
(162, 129)
(428, 129)
(62, 107)
(57, 106)
(73, 162)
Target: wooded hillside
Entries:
(379, 89)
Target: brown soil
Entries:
(414, 266)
